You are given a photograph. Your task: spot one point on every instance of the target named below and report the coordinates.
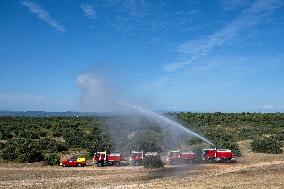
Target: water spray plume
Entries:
(98, 96)
(164, 119)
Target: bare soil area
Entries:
(253, 170)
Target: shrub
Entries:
(52, 145)
(42, 133)
(2, 134)
(57, 133)
(280, 136)
(55, 146)
(51, 159)
(198, 151)
(2, 146)
(5, 133)
(75, 138)
(152, 162)
(44, 142)
(22, 150)
(268, 145)
(9, 151)
(246, 133)
(219, 134)
(29, 134)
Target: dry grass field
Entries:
(252, 170)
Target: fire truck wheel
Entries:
(227, 160)
(79, 165)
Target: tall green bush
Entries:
(52, 145)
(152, 162)
(75, 138)
(268, 145)
(29, 134)
(280, 136)
(51, 159)
(22, 150)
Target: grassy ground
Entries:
(252, 171)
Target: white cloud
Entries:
(249, 18)
(89, 10)
(43, 15)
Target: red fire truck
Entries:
(175, 157)
(136, 158)
(218, 155)
(103, 159)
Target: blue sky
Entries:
(202, 56)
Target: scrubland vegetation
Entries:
(225, 129)
(32, 139)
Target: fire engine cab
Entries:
(136, 158)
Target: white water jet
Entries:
(96, 92)
(164, 119)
